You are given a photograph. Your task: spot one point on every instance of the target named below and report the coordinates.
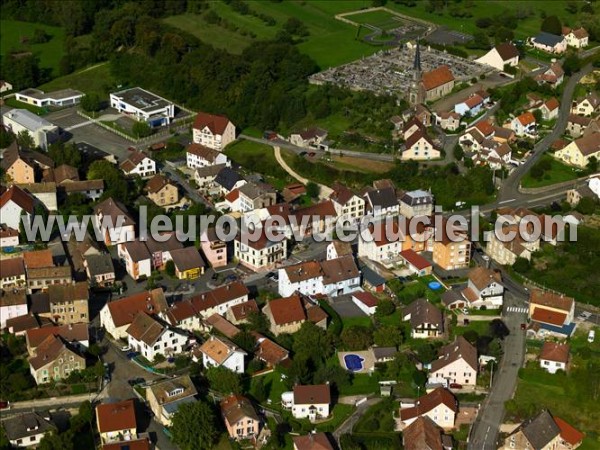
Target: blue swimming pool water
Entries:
(353, 362)
(435, 285)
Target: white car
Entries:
(591, 336)
(465, 311)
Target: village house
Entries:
(448, 120)
(287, 314)
(337, 249)
(75, 334)
(227, 180)
(524, 125)
(576, 37)
(13, 303)
(137, 259)
(219, 325)
(143, 106)
(9, 237)
(188, 263)
(580, 151)
(117, 315)
(312, 401)
(453, 299)
(221, 352)
(213, 131)
(554, 357)
(505, 251)
(160, 251)
(261, 253)
(240, 417)
(19, 325)
(17, 168)
(116, 422)
(151, 338)
(426, 321)
(214, 249)
(312, 441)
(255, 196)
(549, 43)
(310, 138)
(205, 176)
(54, 360)
(436, 83)
(423, 433)
(114, 221)
(471, 106)
(238, 314)
(419, 146)
(382, 202)
(198, 156)
(41, 270)
(92, 189)
(587, 105)
(551, 313)
(161, 191)
(12, 273)
(484, 288)
(502, 55)
(366, 301)
(14, 204)
(381, 242)
(553, 76)
(411, 127)
(69, 303)
(5, 86)
(456, 363)
(348, 205)
(165, 397)
(269, 352)
(42, 131)
(415, 263)
(27, 429)
(544, 432)
(416, 203)
(439, 405)
(138, 163)
(550, 109)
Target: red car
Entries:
(3, 404)
(523, 326)
(455, 386)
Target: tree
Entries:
(259, 390)
(592, 165)
(385, 308)
(295, 27)
(245, 340)
(484, 22)
(572, 7)
(357, 337)
(170, 268)
(313, 189)
(498, 329)
(224, 380)
(586, 206)
(459, 153)
(115, 184)
(39, 36)
(335, 375)
(552, 25)
(25, 140)
(258, 322)
(521, 265)
(6, 138)
(312, 343)
(62, 153)
(91, 103)
(141, 129)
(538, 115)
(387, 336)
(194, 426)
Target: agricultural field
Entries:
(14, 36)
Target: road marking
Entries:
(517, 309)
(507, 201)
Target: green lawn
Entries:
(480, 326)
(380, 19)
(12, 101)
(558, 173)
(364, 321)
(274, 386)
(340, 414)
(362, 383)
(259, 158)
(96, 79)
(14, 35)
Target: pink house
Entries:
(214, 249)
(240, 417)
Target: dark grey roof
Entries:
(99, 264)
(548, 39)
(40, 303)
(227, 178)
(421, 312)
(384, 352)
(372, 277)
(26, 425)
(540, 430)
(383, 198)
(418, 197)
(452, 296)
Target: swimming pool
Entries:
(435, 285)
(354, 362)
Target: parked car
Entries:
(126, 348)
(231, 278)
(4, 404)
(455, 386)
(591, 336)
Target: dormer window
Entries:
(174, 392)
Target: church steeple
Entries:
(414, 97)
(417, 63)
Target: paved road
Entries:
(510, 187)
(66, 402)
(348, 424)
(324, 192)
(190, 191)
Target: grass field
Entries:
(380, 19)
(12, 32)
(96, 79)
(331, 42)
(558, 173)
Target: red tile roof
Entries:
(38, 259)
(552, 104)
(553, 351)
(551, 300)
(485, 127)
(18, 196)
(311, 395)
(366, 298)
(428, 402)
(437, 77)
(569, 433)
(13, 267)
(124, 310)
(287, 310)
(137, 444)
(116, 416)
(312, 441)
(547, 316)
(526, 118)
(216, 124)
(415, 259)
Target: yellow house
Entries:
(161, 191)
(188, 263)
(580, 151)
(17, 169)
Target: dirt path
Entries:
(325, 190)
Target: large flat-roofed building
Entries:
(63, 97)
(43, 132)
(144, 106)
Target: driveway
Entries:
(348, 425)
